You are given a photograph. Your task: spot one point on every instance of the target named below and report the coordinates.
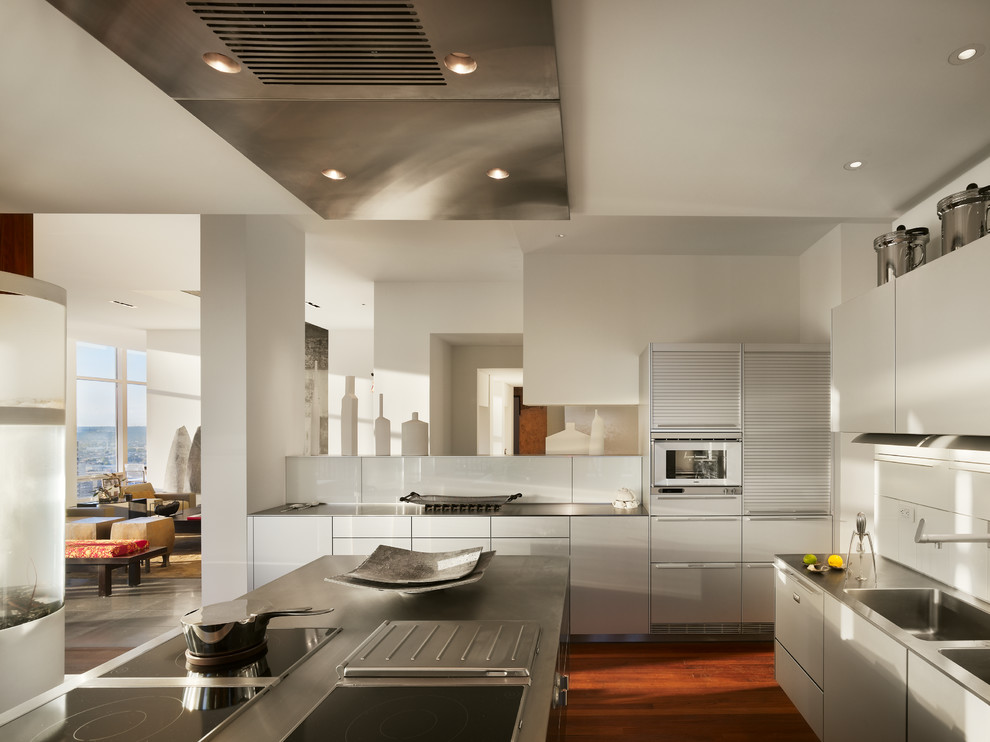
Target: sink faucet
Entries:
(920, 537)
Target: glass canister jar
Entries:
(900, 251)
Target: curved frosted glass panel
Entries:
(32, 449)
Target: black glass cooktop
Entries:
(129, 715)
(285, 647)
(466, 713)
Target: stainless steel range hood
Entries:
(361, 87)
(948, 442)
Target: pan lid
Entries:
(972, 194)
(244, 610)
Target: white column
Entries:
(253, 337)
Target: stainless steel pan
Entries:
(233, 627)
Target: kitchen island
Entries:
(533, 590)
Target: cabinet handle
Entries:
(796, 597)
(698, 519)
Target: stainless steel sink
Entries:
(972, 660)
(926, 613)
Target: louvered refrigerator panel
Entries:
(787, 443)
(696, 387)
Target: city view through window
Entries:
(111, 413)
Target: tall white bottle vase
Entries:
(348, 419)
(596, 446)
(415, 437)
(383, 430)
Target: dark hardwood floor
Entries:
(681, 692)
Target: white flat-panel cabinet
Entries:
(943, 345)
(531, 535)
(807, 697)
(610, 575)
(799, 627)
(361, 534)
(863, 362)
(865, 679)
(283, 543)
(941, 709)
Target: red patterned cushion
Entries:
(81, 548)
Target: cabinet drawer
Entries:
(804, 694)
(689, 504)
(451, 526)
(371, 526)
(542, 526)
(450, 544)
(764, 536)
(364, 546)
(695, 593)
(757, 592)
(695, 539)
(800, 623)
(532, 546)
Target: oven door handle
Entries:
(698, 497)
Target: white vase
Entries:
(596, 446)
(415, 437)
(348, 419)
(383, 430)
(568, 441)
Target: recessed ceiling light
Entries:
(967, 53)
(334, 174)
(122, 304)
(497, 173)
(462, 64)
(561, 235)
(854, 165)
(222, 63)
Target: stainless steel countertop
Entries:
(511, 509)
(514, 587)
(894, 575)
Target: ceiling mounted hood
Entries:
(361, 87)
(948, 442)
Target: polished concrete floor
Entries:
(99, 629)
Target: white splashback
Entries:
(952, 497)
(383, 479)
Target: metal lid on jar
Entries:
(901, 235)
(972, 194)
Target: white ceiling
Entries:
(707, 127)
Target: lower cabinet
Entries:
(866, 675)
(283, 543)
(703, 593)
(610, 575)
(804, 693)
(940, 709)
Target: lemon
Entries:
(810, 559)
(835, 561)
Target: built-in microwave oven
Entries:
(691, 459)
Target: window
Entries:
(111, 413)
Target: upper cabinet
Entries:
(695, 386)
(943, 345)
(913, 355)
(863, 363)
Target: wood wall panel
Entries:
(17, 244)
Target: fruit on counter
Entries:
(835, 561)
(810, 559)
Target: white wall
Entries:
(253, 343)
(588, 317)
(820, 269)
(352, 353)
(406, 314)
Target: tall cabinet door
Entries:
(610, 575)
(863, 362)
(695, 386)
(787, 442)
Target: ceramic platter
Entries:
(391, 565)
